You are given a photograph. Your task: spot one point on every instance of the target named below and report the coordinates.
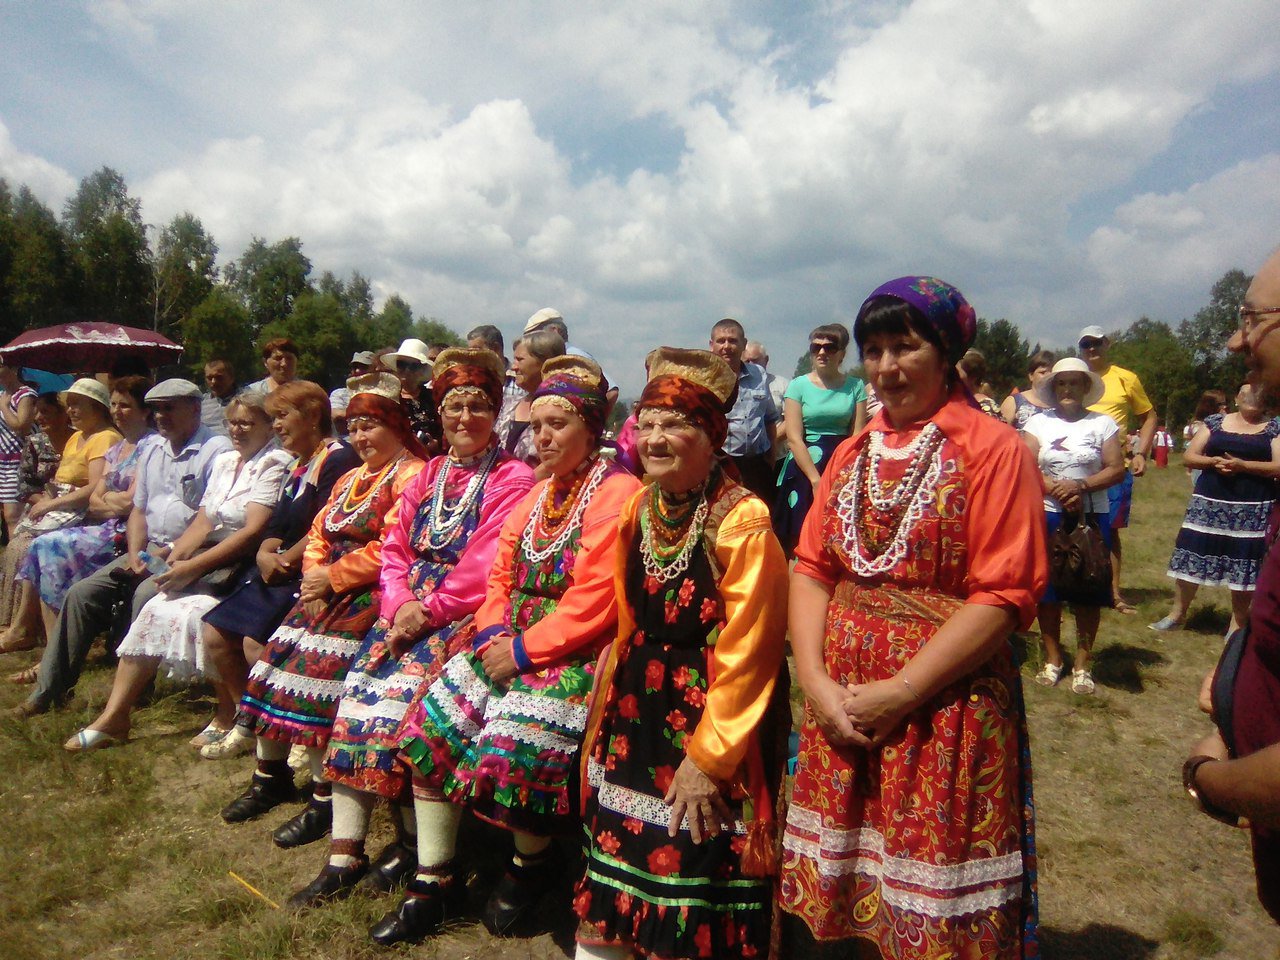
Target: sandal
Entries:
(1120, 606)
(1082, 682)
(210, 734)
(27, 675)
(90, 739)
(1049, 675)
(1165, 624)
(234, 743)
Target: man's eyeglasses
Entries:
(1249, 317)
(817, 348)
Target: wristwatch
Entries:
(1189, 770)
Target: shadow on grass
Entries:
(1097, 941)
(1119, 665)
(1136, 596)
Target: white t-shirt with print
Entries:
(1072, 450)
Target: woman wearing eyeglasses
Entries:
(819, 410)
(412, 365)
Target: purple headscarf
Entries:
(942, 305)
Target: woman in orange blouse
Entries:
(295, 687)
(910, 823)
(689, 715)
(499, 731)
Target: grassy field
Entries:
(122, 853)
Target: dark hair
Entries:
(1042, 358)
(1210, 402)
(893, 316)
(490, 335)
(135, 387)
(307, 398)
(832, 331)
(728, 323)
(52, 399)
(974, 365)
(283, 344)
(220, 362)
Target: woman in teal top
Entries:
(819, 410)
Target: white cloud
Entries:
(50, 183)
(455, 155)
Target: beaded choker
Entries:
(670, 528)
(872, 554)
(446, 522)
(356, 496)
(555, 525)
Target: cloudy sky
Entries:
(651, 167)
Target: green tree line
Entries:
(96, 262)
(1176, 364)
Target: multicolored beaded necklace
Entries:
(870, 554)
(555, 525)
(358, 495)
(670, 528)
(446, 521)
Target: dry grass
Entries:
(122, 853)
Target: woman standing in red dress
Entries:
(911, 821)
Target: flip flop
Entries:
(210, 734)
(1121, 607)
(90, 739)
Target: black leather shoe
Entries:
(392, 868)
(512, 907)
(264, 793)
(314, 822)
(419, 914)
(332, 883)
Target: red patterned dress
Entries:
(924, 846)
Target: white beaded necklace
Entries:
(909, 498)
(568, 526)
(447, 521)
(678, 564)
(338, 518)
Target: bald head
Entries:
(1259, 334)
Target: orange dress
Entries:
(925, 845)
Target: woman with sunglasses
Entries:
(819, 410)
(411, 364)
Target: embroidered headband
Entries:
(577, 385)
(460, 367)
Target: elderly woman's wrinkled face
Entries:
(1069, 390)
(85, 414)
(250, 430)
(560, 437)
(1249, 403)
(126, 412)
(908, 372)
(373, 441)
(527, 368)
(467, 421)
(675, 452)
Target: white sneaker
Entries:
(234, 744)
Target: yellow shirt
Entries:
(1122, 396)
(74, 466)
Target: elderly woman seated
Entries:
(243, 487)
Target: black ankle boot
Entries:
(264, 793)
(512, 907)
(332, 883)
(313, 823)
(425, 907)
(392, 868)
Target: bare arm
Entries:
(1259, 468)
(1248, 787)
(1112, 471)
(1194, 457)
(859, 417)
(19, 422)
(1146, 433)
(793, 418)
(825, 699)
(1009, 410)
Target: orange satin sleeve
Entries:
(317, 538)
(362, 566)
(1007, 539)
(587, 614)
(749, 649)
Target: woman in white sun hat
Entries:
(1079, 456)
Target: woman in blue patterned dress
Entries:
(1221, 542)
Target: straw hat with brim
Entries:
(1044, 390)
(93, 389)
(411, 349)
